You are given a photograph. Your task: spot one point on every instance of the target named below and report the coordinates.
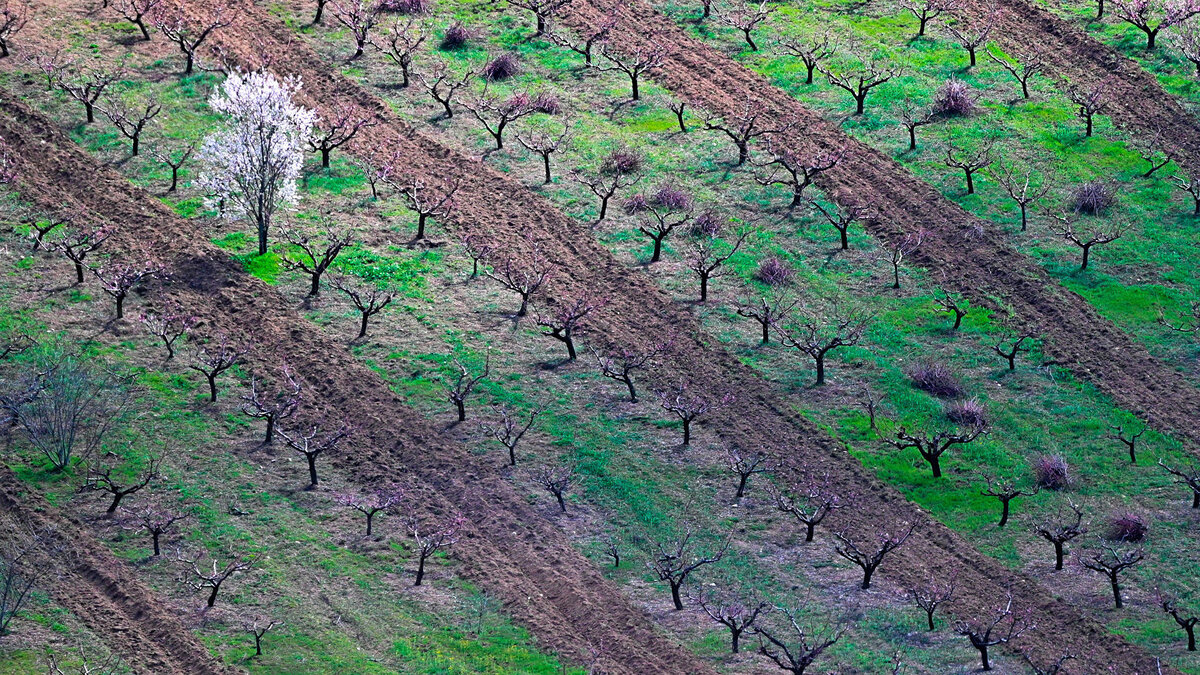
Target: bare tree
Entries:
(811, 51)
(751, 120)
(912, 116)
(735, 614)
(1064, 226)
(544, 144)
(931, 594)
(401, 43)
(1128, 438)
(88, 663)
(932, 445)
(636, 61)
(543, 10)
(317, 440)
(19, 573)
(131, 120)
(50, 61)
(175, 158)
(383, 499)
(677, 559)
(359, 17)
(925, 11)
(798, 648)
(273, 406)
(14, 14)
(871, 403)
(338, 129)
(463, 384)
(87, 85)
(859, 82)
(1151, 16)
(1186, 620)
(869, 556)
(368, 298)
(136, 11)
(496, 113)
(952, 304)
(312, 252)
(1089, 101)
(604, 185)
(770, 311)
(591, 35)
(659, 214)
(1055, 668)
(1001, 627)
(1189, 476)
(79, 243)
(212, 359)
(180, 25)
(1009, 348)
(1189, 183)
(686, 403)
(523, 276)
(1111, 562)
(169, 324)
(510, 428)
(155, 520)
(809, 499)
(819, 331)
(1186, 39)
(1025, 67)
(744, 465)
(1024, 185)
(41, 225)
(1154, 151)
(969, 162)
(972, 34)
(557, 479)
(431, 539)
(745, 17)
(566, 318)
(117, 279)
(1058, 531)
(426, 200)
(259, 626)
(619, 363)
(210, 577)
(1006, 490)
(796, 171)
(442, 85)
(120, 484)
(708, 256)
(479, 248)
(842, 217)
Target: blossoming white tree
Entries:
(251, 165)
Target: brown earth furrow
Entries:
(508, 548)
(971, 254)
(84, 577)
(638, 310)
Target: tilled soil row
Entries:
(508, 548)
(971, 254)
(84, 577)
(638, 311)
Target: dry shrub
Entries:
(1052, 472)
(407, 6)
(622, 160)
(547, 103)
(955, 98)
(1126, 527)
(457, 36)
(501, 68)
(774, 271)
(1093, 197)
(971, 413)
(707, 224)
(672, 198)
(937, 378)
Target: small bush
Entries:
(547, 103)
(501, 68)
(457, 36)
(622, 160)
(407, 6)
(937, 378)
(954, 99)
(774, 271)
(1052, 472)
(1126, 527)
(1093, 198)
(707, 224)
(970, 413)
(672, 198)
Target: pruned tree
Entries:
(154, 519)
(425, 199)
(1052, 668)
(932, 593)
(543, 11)
(1010, 347)
(1023, 67)
(87, 85)
(605, 184)
(215, 357)
(635, 61)
(589, 36)
(1006, 490)
(431, 538)
(319, 17)
(796, 647)
(442, 85)
(620, 362)
(820, 330)
(1064, 225)
(738, 615)
(870, 555)
(745, 17)
(1089, 101)
(972, 34)
(811, 51)
(925, 11)
(744, 465)
(1183, 618)
(860, 81)
(1111, 562)
(332, 132)
(258, 626)
(252, 164)
(809, 498)
(689, 403)
(314, 441)
(1154, 151)
(1002, 626)
(496, 113)
(175, 158)
(1188, 476)
(19, 573)
(210, 577)
(1151, 16)
(312, 252)
(749, 121)
(678, 558)
(382, 499)
(275, 405)
(14, 14)
(479, 248)
(797, 171)
(968, 161)
(189, 28)
(41, 225)
(709, 255)
(358, 17)
(566, 318)
(544, 144)
(118, 483)
(659, 214)
(557, 479)
(931, 445)
(1186, 40)
(871, 403)
(87, 662)
(463, 383)
(769, 310)
(1189, 183)
(1058, 531)
(954, 305)
(1025, 185)
(79, 243)
(1128, 438)
(841, 217)
(136, 12)
(367, 297)
(401, 44)
(50, 61)
(913, 115)
(118, 278)
(510, 428)
(524, 276)
(169, 324)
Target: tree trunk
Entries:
(116, 501)
(154, 537)
(270, 430)
(174, 179)
(657, 248)
(633, 399)
(741, 489)
(743, 152)
(546, 159)
(809, 529)
(1024, 217)
(257, 644)
(325, 151)
(970, 182)
(983, 656)
(541, 25)
(570, 347)
(703, 288)
(766, 332)
(912, 138)
(1191, 633)
(634, 82)
(137, 143)
(867, 572)
(1195, 500)
(91, 111)
(971, 51)
(312, 469)
(1058, 555)
(420, 569)
(421, 225)
(935, 463)
(604, 207)
(736, 634)
(561, 504)
(860, 101)
(813, 66)
(929, 614)
(120, 305)
(1087, 252)
(78, 273)
(362, 327)
(191, 61)
(687, 432)
(820, 368)
(212, 387)
(675, 594)
(370, 521)
(524, 309)
(212, 597)
(1003, 513)
(315, 288)
(921, 28)
(1116, 589)
(462, 411)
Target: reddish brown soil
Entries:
(103, 592)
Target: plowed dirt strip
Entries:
(639, 311)
(508, 547)
(86, 579)
(970, 253)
